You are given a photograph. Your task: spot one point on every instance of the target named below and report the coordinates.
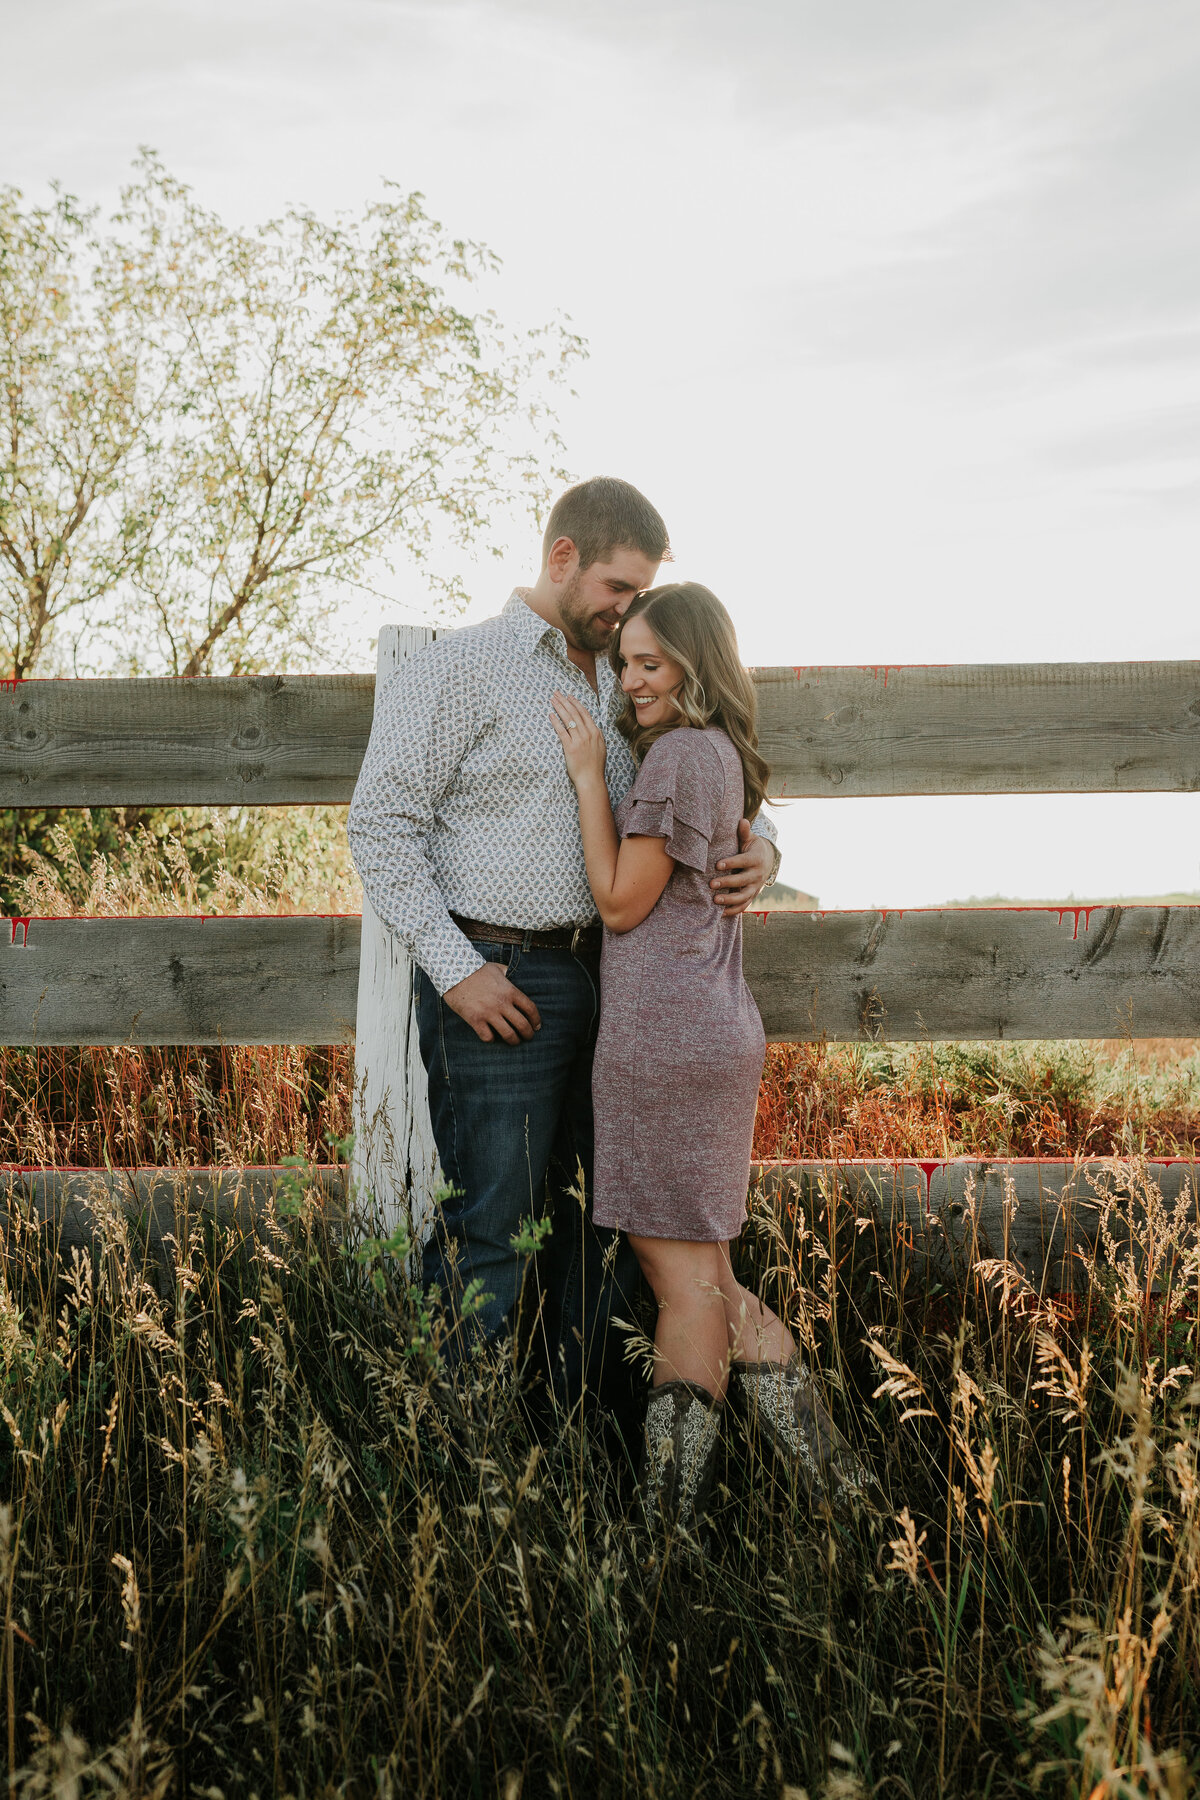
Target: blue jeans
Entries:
(513, 1127)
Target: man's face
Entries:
(592, 601)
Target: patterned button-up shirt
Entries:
(463, 803)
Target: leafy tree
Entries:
(205, 431)
(78, 454)
(331, 406)
(214, 428)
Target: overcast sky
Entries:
(893, 309)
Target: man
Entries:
(465, 831)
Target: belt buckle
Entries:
(575, 937)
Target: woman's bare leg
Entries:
(756, 1334)
(691, 1340)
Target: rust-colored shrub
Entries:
(181, 1104)
(1058, 1100)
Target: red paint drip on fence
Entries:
(928, 1170)
(1073, 912)
(899, 912)
(9, 683)
(24, 924)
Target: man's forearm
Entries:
(406, 900)
(764, 827)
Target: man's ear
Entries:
(562, 560)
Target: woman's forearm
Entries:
(626, 879)
(601, 844)
(626, 876)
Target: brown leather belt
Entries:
(566, 937)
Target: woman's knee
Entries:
(673, 1266)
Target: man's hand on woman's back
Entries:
(743, 877)
(493, 1006)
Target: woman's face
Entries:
(649, 678)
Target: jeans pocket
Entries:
(508, 954)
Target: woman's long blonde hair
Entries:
(694, 630)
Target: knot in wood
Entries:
(872, 1016)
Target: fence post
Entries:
(395, 1167)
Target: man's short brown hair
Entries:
(603, 515)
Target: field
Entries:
(254, 1541)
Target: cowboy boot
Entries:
(782, 1400)
(683, 1423)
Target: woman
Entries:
(680, 1051)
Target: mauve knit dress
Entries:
(680, 1049)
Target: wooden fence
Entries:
(1079, 972)
(952, 973)
(981, 973)
(939, 1220)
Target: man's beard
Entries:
(583, 630)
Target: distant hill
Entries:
(1082, 900)
(785, 898)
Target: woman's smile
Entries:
(650, 679)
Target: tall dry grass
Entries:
(125, 1108)
(990, 1100)
(254, 1539)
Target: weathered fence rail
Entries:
(261, 740)
(1042, 1215)
(1016, 728)
(179, 980)
(1003, 728)
(1007, 972)
(151, 1214)
(1048, 1217)
(1081, 972)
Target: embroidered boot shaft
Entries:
(782, 1401)
(683, 1425)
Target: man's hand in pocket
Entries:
(492, 1006)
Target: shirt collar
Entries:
(530, 630)
(528, 627)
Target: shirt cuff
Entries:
(446, 956)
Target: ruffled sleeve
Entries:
(676, 796)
